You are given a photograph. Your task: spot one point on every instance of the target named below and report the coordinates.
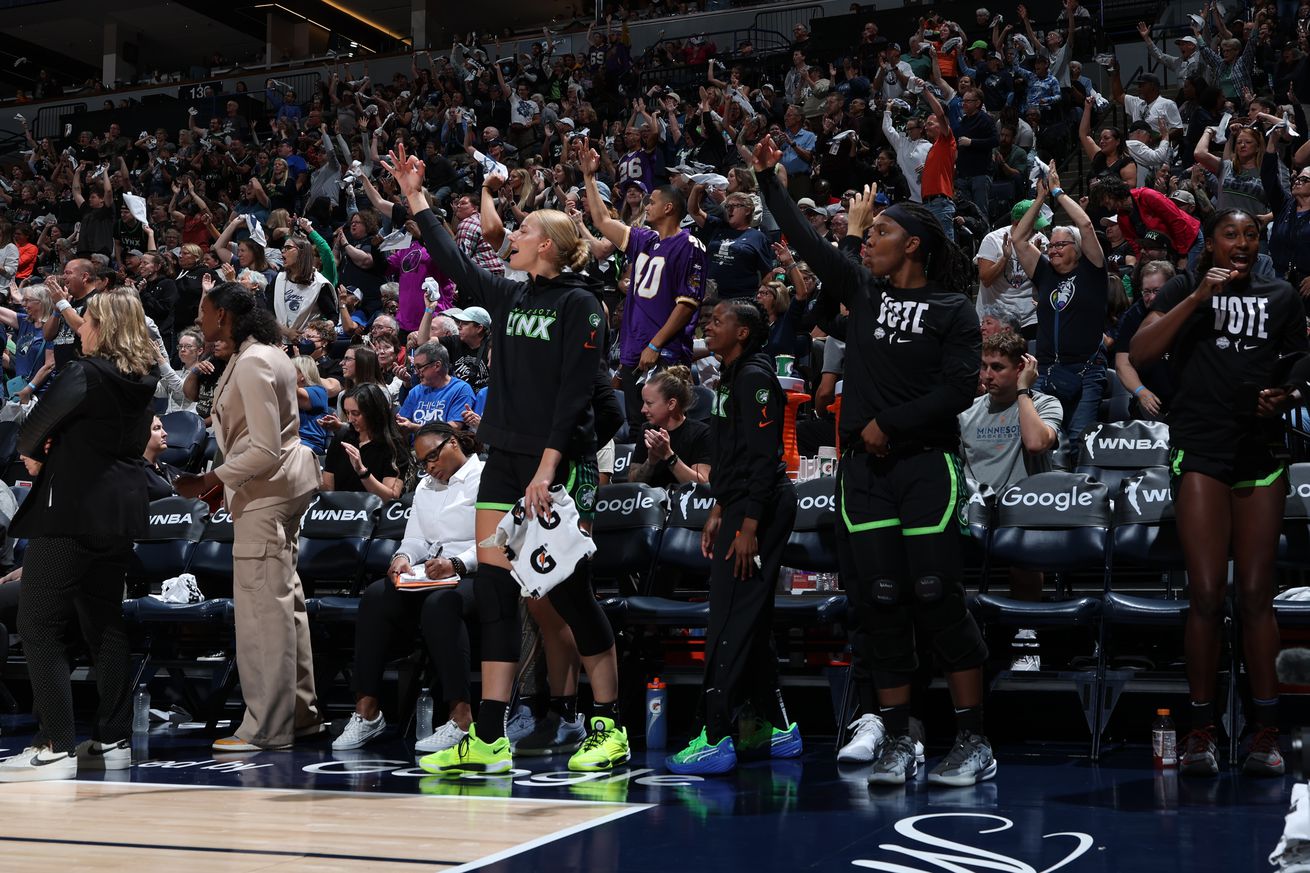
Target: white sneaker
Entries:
(445, 737)
(92, 755)
(1026, 664)
(359, 731)
(38, 765)
(866, 739)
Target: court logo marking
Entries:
(940, 856)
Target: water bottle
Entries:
(1164, 741)
(657, 726)
(423, 716)
(141, 710)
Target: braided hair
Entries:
(944, 263)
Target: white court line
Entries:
(334, 791)
(549, 838)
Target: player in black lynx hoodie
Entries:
(548, 338)
(754, 508)
(912, 358)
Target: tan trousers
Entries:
(272, 628)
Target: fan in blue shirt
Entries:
(438, 396)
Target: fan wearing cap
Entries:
(1002, 279)
(1186, 64)
(1150, 157)
(912, 360)
(1150, 106)
(470, 349)
(667, 283)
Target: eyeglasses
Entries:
(1059, 245)
(419, 368)
(288, 246)
(432, 456)
(1296, 179)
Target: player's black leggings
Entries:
(740, 663)
(898, 542)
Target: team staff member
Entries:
(672, 449)
(269, 478)
(83, 443)
(667, 283)
(754, 508)
(913, 348)
(539, 423)
(1225, 330)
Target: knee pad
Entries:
(929, 589)
(886, 592)
(891, 641)
(497, 597)
(958, 644)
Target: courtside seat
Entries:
(387, 536)
(668, 613)
(333, 534)
(148, 609)
(1146, 536)
(622, 461)
(211, 562)
(796, 610)
(629, 522)
(1111, 453)
(333, 608)
(186, 440)
(689, 509)
(176, 525)
(1051, 522)
(812, 544)
(1294, 543)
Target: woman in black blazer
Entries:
(83, 444)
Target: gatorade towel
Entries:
(542, 551)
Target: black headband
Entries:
(898, 213)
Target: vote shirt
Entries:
(1227, 351)
(665, 272)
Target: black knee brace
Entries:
(929, 589)
(956, 640)
(497, 597)
(890, 635)
(886, 592)
(576, 604)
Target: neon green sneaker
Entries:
(605, 747)
(700, 758)
(759, 739)
(471, 754)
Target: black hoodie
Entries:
(547, 341)
(92, 482)
(746, 431)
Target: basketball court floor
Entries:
(182, 808)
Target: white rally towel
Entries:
(543, 551)
(256, 230)
(137, 206)
(491, 166)
(396, 240)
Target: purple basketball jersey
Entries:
(664, 272)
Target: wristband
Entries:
(1057, 193)
(654, 348)
(671, 461)
(1139, 390)
(458, 566)
(62, 305)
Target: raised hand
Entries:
(766, 155)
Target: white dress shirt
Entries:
(442, 515)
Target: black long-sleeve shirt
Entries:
(746, 434)
(548, 335)
(912, 354)
(159, 300)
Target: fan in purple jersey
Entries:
(666, 285)
(638, 164)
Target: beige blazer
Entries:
(257, 425)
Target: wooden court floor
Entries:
(84, 825)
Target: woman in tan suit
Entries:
(268, 479)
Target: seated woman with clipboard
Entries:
(429, 586)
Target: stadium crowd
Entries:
(521, 252)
